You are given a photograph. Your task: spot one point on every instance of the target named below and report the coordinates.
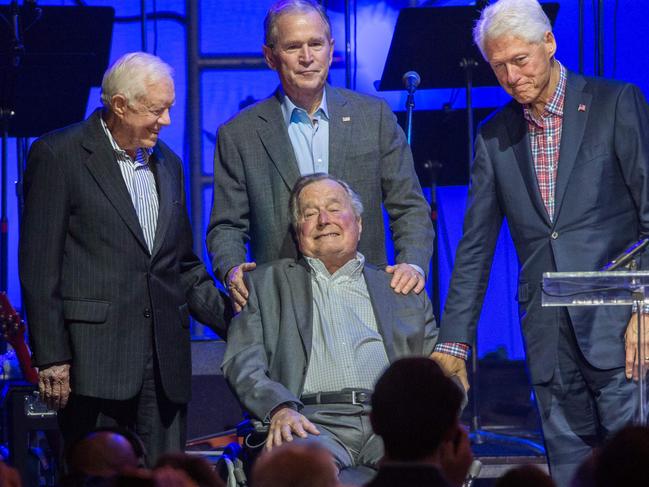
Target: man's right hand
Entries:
(54, 385)
(452, 367)
(237, 286)
(284, 423)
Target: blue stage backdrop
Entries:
(235, 27)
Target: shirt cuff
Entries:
(457, 349)
(418, 269)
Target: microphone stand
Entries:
(410, 106)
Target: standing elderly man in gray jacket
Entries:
(308, 126)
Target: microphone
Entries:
(411, 81)
(625, 257)
(472, 474)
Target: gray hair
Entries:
(524, 19)
(281, 7)
(130, 75)
(304, 181)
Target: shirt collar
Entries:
(352, 270)
(288, 107)
(145, 152)
(555, 105)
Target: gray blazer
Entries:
(94, 295)
(255, 169)
(269, 342)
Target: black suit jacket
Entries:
(602, 206)
(94, 295)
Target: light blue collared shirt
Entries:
(309, 135)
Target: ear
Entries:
(331, 50)
(118, 104)
(360, 227)
(269, 57)
(550, 44)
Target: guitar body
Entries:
(13, 331)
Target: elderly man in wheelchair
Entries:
(317, 332)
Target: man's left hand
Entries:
(405, 278)
(631, 346)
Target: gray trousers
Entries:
(345, 431)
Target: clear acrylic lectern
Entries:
(607, 288)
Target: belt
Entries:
(346, 396)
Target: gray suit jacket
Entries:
(94, 295)
(269, 342)
(255, 169)
(602, 206)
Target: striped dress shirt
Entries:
(140, 183)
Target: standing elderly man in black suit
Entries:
(317, 332)
(307, 127)
(566, 162)
(107, 268)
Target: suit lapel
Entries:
(572, 133)
(274, 137)
(340, 129)
(380, 299)
(518, 134)
(165, 192)
(105, 170)
(299, 281)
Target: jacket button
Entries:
(147, 313)
(554, 235)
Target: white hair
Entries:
(524, 19)
(304, 181)
(131, 74)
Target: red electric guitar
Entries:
(13, 331)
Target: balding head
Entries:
(102, 454)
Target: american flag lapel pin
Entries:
(347, 119)
(581, 107)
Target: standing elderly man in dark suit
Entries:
(307, 127)
(566, 162)
(107, 268)
(317, 332)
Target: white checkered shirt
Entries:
(347, 349)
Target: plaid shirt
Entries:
(545, 137)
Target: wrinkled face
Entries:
(327, 227)
(142, 120)
(302, 53)
(523, 68)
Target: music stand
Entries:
(440, 142)
(47, 68)
(437, 43)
